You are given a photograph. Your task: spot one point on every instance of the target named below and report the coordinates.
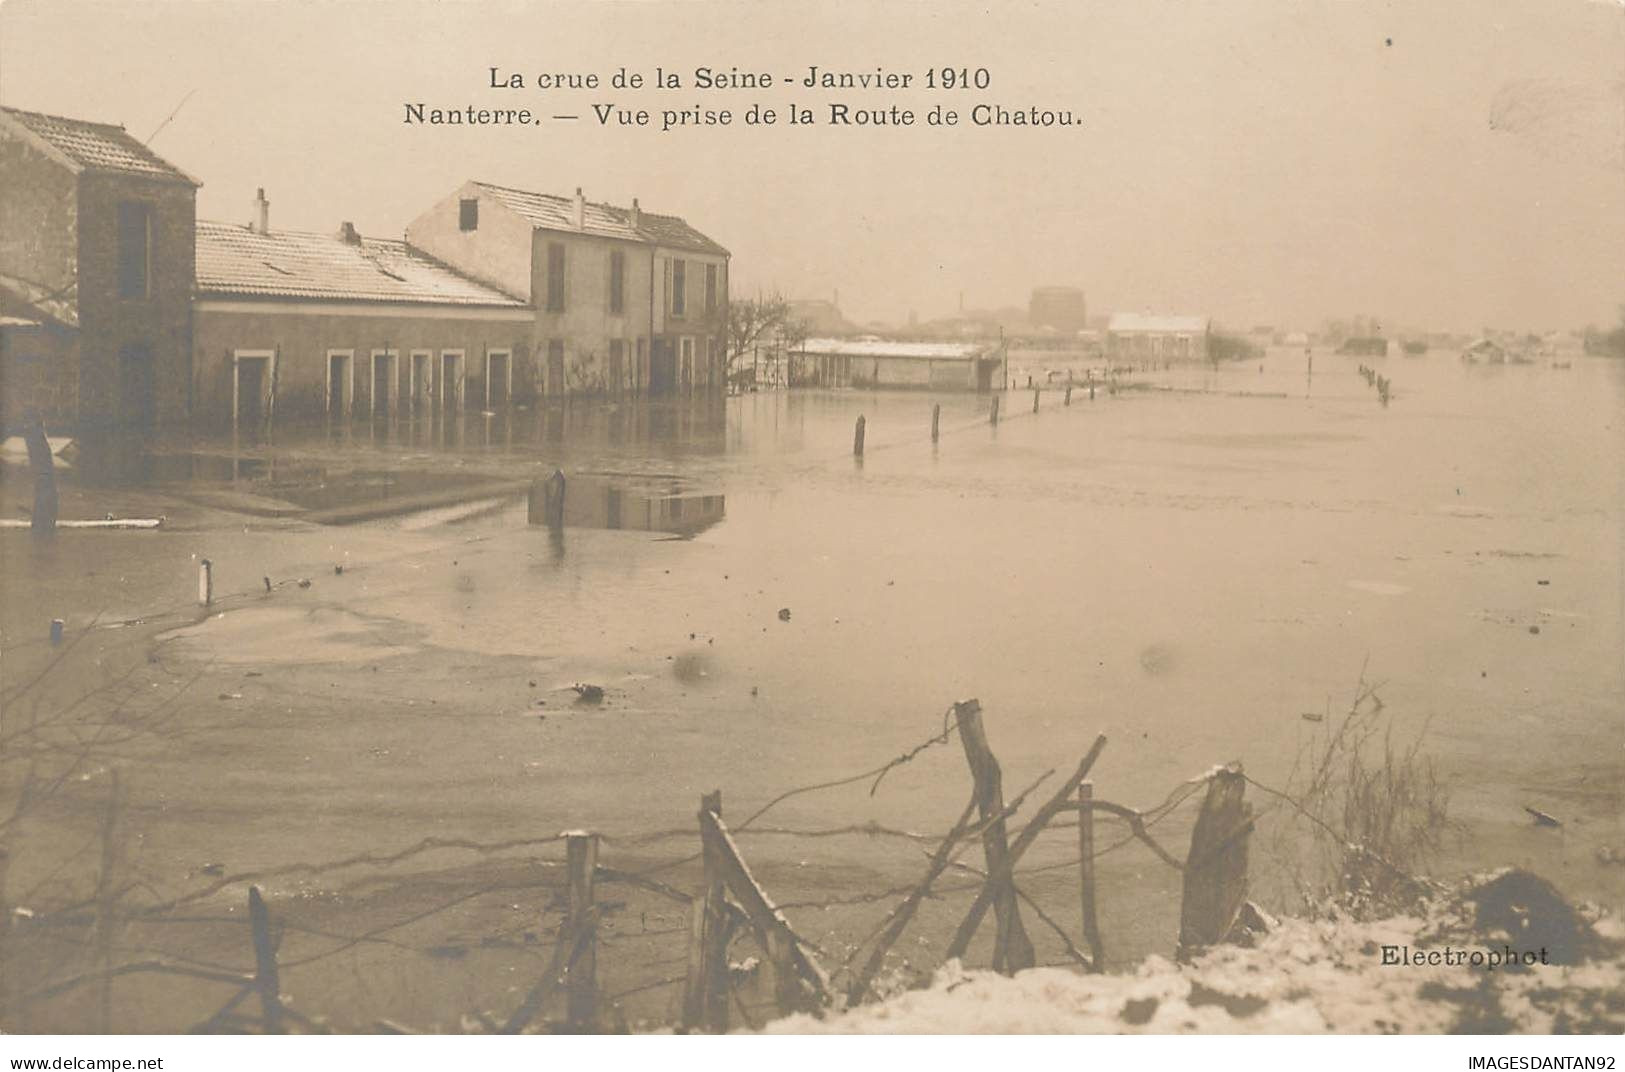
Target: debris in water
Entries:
(1535, 630)
(1543, 582)
(212, 870)
(1541, 818)
(337, 569)
(231, 696)
(1312, 716)
(784, 614)
(590, 694)
(304, 582)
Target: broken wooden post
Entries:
(581, 931)
(857, 437)
(1066, 398)
(705, 999)
(205, 582)
(265, 971)
(1086, 873)
(799, 984)
(1024, 841)
(936, 420)
(1012, 950)
(1215, 885)
(993, 413)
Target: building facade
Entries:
(96, 270)
(623, 301)
(293, 325)
(1144, 338)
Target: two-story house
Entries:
(96, 270)
(625, 301)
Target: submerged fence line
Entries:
(730, 905)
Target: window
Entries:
(468, 214)
(134, 249)
(679, 286)
(617, 281)
(710, 288)
(555, 277)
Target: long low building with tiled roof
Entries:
(294, 324)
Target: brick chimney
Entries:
(262, 213)
(580, 210)
(636, 215)
(348, 233)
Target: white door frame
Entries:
(507, 393)
(237, 358)
(392, 402)
(349, 387)
(412, 377)
(455, 403)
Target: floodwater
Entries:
(1190, 572)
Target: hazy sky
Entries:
(1442, 164)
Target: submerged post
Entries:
(545, 504)
(205, 582)
(1035, 399)
(857, 437)
(1086, 873)
(993, 414)
(56, 631)
(1066, 399)
(581, 965)
(936, 420)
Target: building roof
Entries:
(100, 147)
(1125, 322)
(554, 213)
(237, 260)
(922, 351)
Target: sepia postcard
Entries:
(898, 519)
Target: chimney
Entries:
(262, 213)
(636, 216)
(581, 210)
(348, 233)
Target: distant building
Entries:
(623, 300)
(96, 248)
(294, 325)
(1136, 336)
(820, 317)
(943, 366)
(1059, 309)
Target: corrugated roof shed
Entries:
(96, 146)
(233, 260)
(922, 351)
(1180, 325)
(555, 213)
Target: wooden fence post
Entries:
(1066, 398)
(993, 413)
(1035, 399)
(1215, 886)
(205, 582)
(1012, 950)
(581, 928)
(705, 1000)
(265, 972)
(857, 437)
(936, 420)
(1086, 873)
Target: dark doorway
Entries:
(137, 406)
(662, 368)
(496, 379)
(250, 394)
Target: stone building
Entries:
(96, 269)
(624, 301)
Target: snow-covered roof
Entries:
(922, 351)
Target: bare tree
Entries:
(766, 320)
